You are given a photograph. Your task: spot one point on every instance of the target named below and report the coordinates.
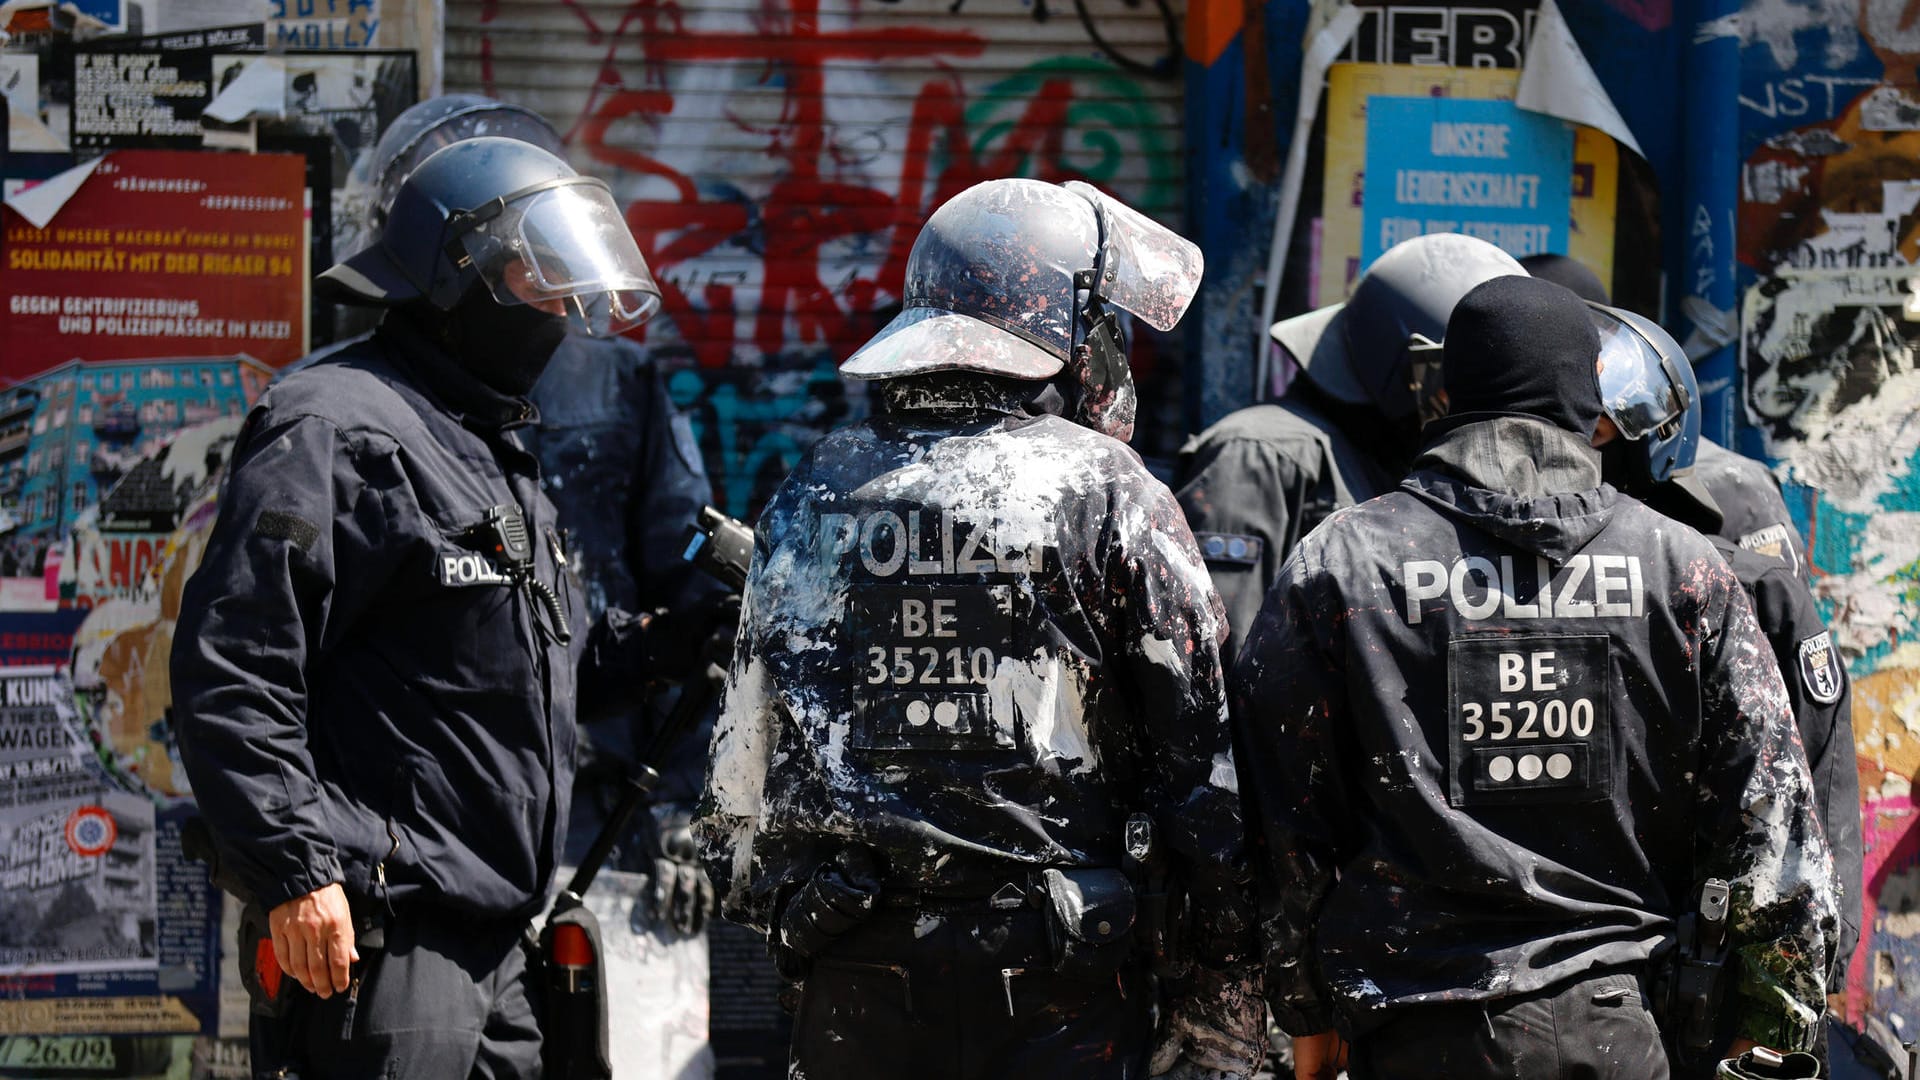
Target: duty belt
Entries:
(1008, 895)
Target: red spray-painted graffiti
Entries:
(810, 206)
(775, 166)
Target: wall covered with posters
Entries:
(1303, 106)
(1828, 241)
(154, 267)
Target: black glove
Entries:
(679, 642)
(679, 896)
(628, 655)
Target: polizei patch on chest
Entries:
(1478, 588)
(1527, 718)
(927, 657)
(468, 570)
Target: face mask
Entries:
(506, 346)
(1623, 463)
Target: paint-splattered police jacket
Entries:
(974, 640)
(1817, 684)
(362, 696)
(1497, 726)
(1256, 482)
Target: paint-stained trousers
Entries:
(446, 999)
(1596, 1029)
(931, 995)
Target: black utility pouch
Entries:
(1089, 919)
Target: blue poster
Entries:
(111, 12)
(1488, 169)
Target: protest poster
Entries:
(160, 253)
(37, 638)
(148, 91)
(335, 108)
(79, 924)
(1487, 169)
(99, 469)
(1348, 237)
(105, 927)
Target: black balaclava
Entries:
(1520, 346)
(506, 346)
(969, 392)
(1570, 274)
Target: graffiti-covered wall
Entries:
(776, 161)
(1829, 234)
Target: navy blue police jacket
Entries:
(1752, 512)
(361, 694)
(1821, 693)
(1495, 728)
(623, 471)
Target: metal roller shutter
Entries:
(776, 161)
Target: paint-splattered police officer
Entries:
(1498, 730)
(976, 722)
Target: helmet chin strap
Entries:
(1102, 396)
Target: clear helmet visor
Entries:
(1150, 271)
(1640, 387)
(565, 249)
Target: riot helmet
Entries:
(1568, 273)
(424, 128)
(509, 215)
(1027, 279)
(1648, 390)
(1382, 347)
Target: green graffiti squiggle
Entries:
(1108, 108)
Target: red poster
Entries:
(161, 253)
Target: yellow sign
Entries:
(1596, 166)
(91, 1015)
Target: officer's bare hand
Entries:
(1319, 1057)
(313, 939)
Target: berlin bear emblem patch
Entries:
(1820, 668)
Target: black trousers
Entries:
(967, 996)
(446, 999)
(1596, 1029)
